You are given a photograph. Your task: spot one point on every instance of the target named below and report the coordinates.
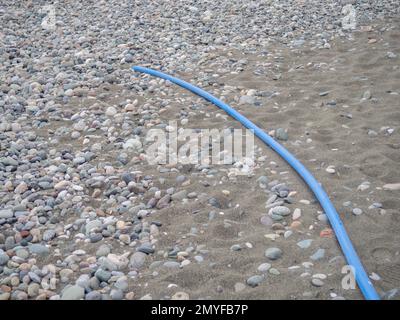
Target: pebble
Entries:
(254, 281)
(38, 249)
(304, 244)
(279, 210)
(73, 293)
(137, 260)
(273, 253)
(319, 254)
(392, 186)
(317, 282)
(6, 213)
(3, 259)
(330, 169)
(296, 214)
(264, 267)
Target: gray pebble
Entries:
(273, 253)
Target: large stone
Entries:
(73, 293)
(6, 213)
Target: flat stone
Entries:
(391, 186)
(319, 254)
(38, 249)
(304, 244)
(4, 259)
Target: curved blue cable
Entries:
(353, 260)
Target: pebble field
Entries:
(83, 215)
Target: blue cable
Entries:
(349, 252)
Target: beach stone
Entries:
(83, 281)
(3, 258)
(49, 234)
(22, 253)
(6, 213)
(296, 214)
(357, 211)
(111, 111)
(254, 281)
(122, 284)
(103, 275)
(274, 271)
(38, 249)
(236, 247)
(146, 248)
(281, 134)
(273, 253)
(33, 290)
(132, 144)
(264, 267)
(103, 250)
(163, 202)
(247, 100)
(319, 254)
(266, 220)
(73, 293)
(95, 237)
(137, 260)
(93, 224)
(317, 282)
(116, 294)
(280, 210)
(392, 186)
(304, 244)
(180, 195)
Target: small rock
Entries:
(254, 281)
(392, 186)
(304, 244)
(281, 134)
(273, 253)
(317, 282)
